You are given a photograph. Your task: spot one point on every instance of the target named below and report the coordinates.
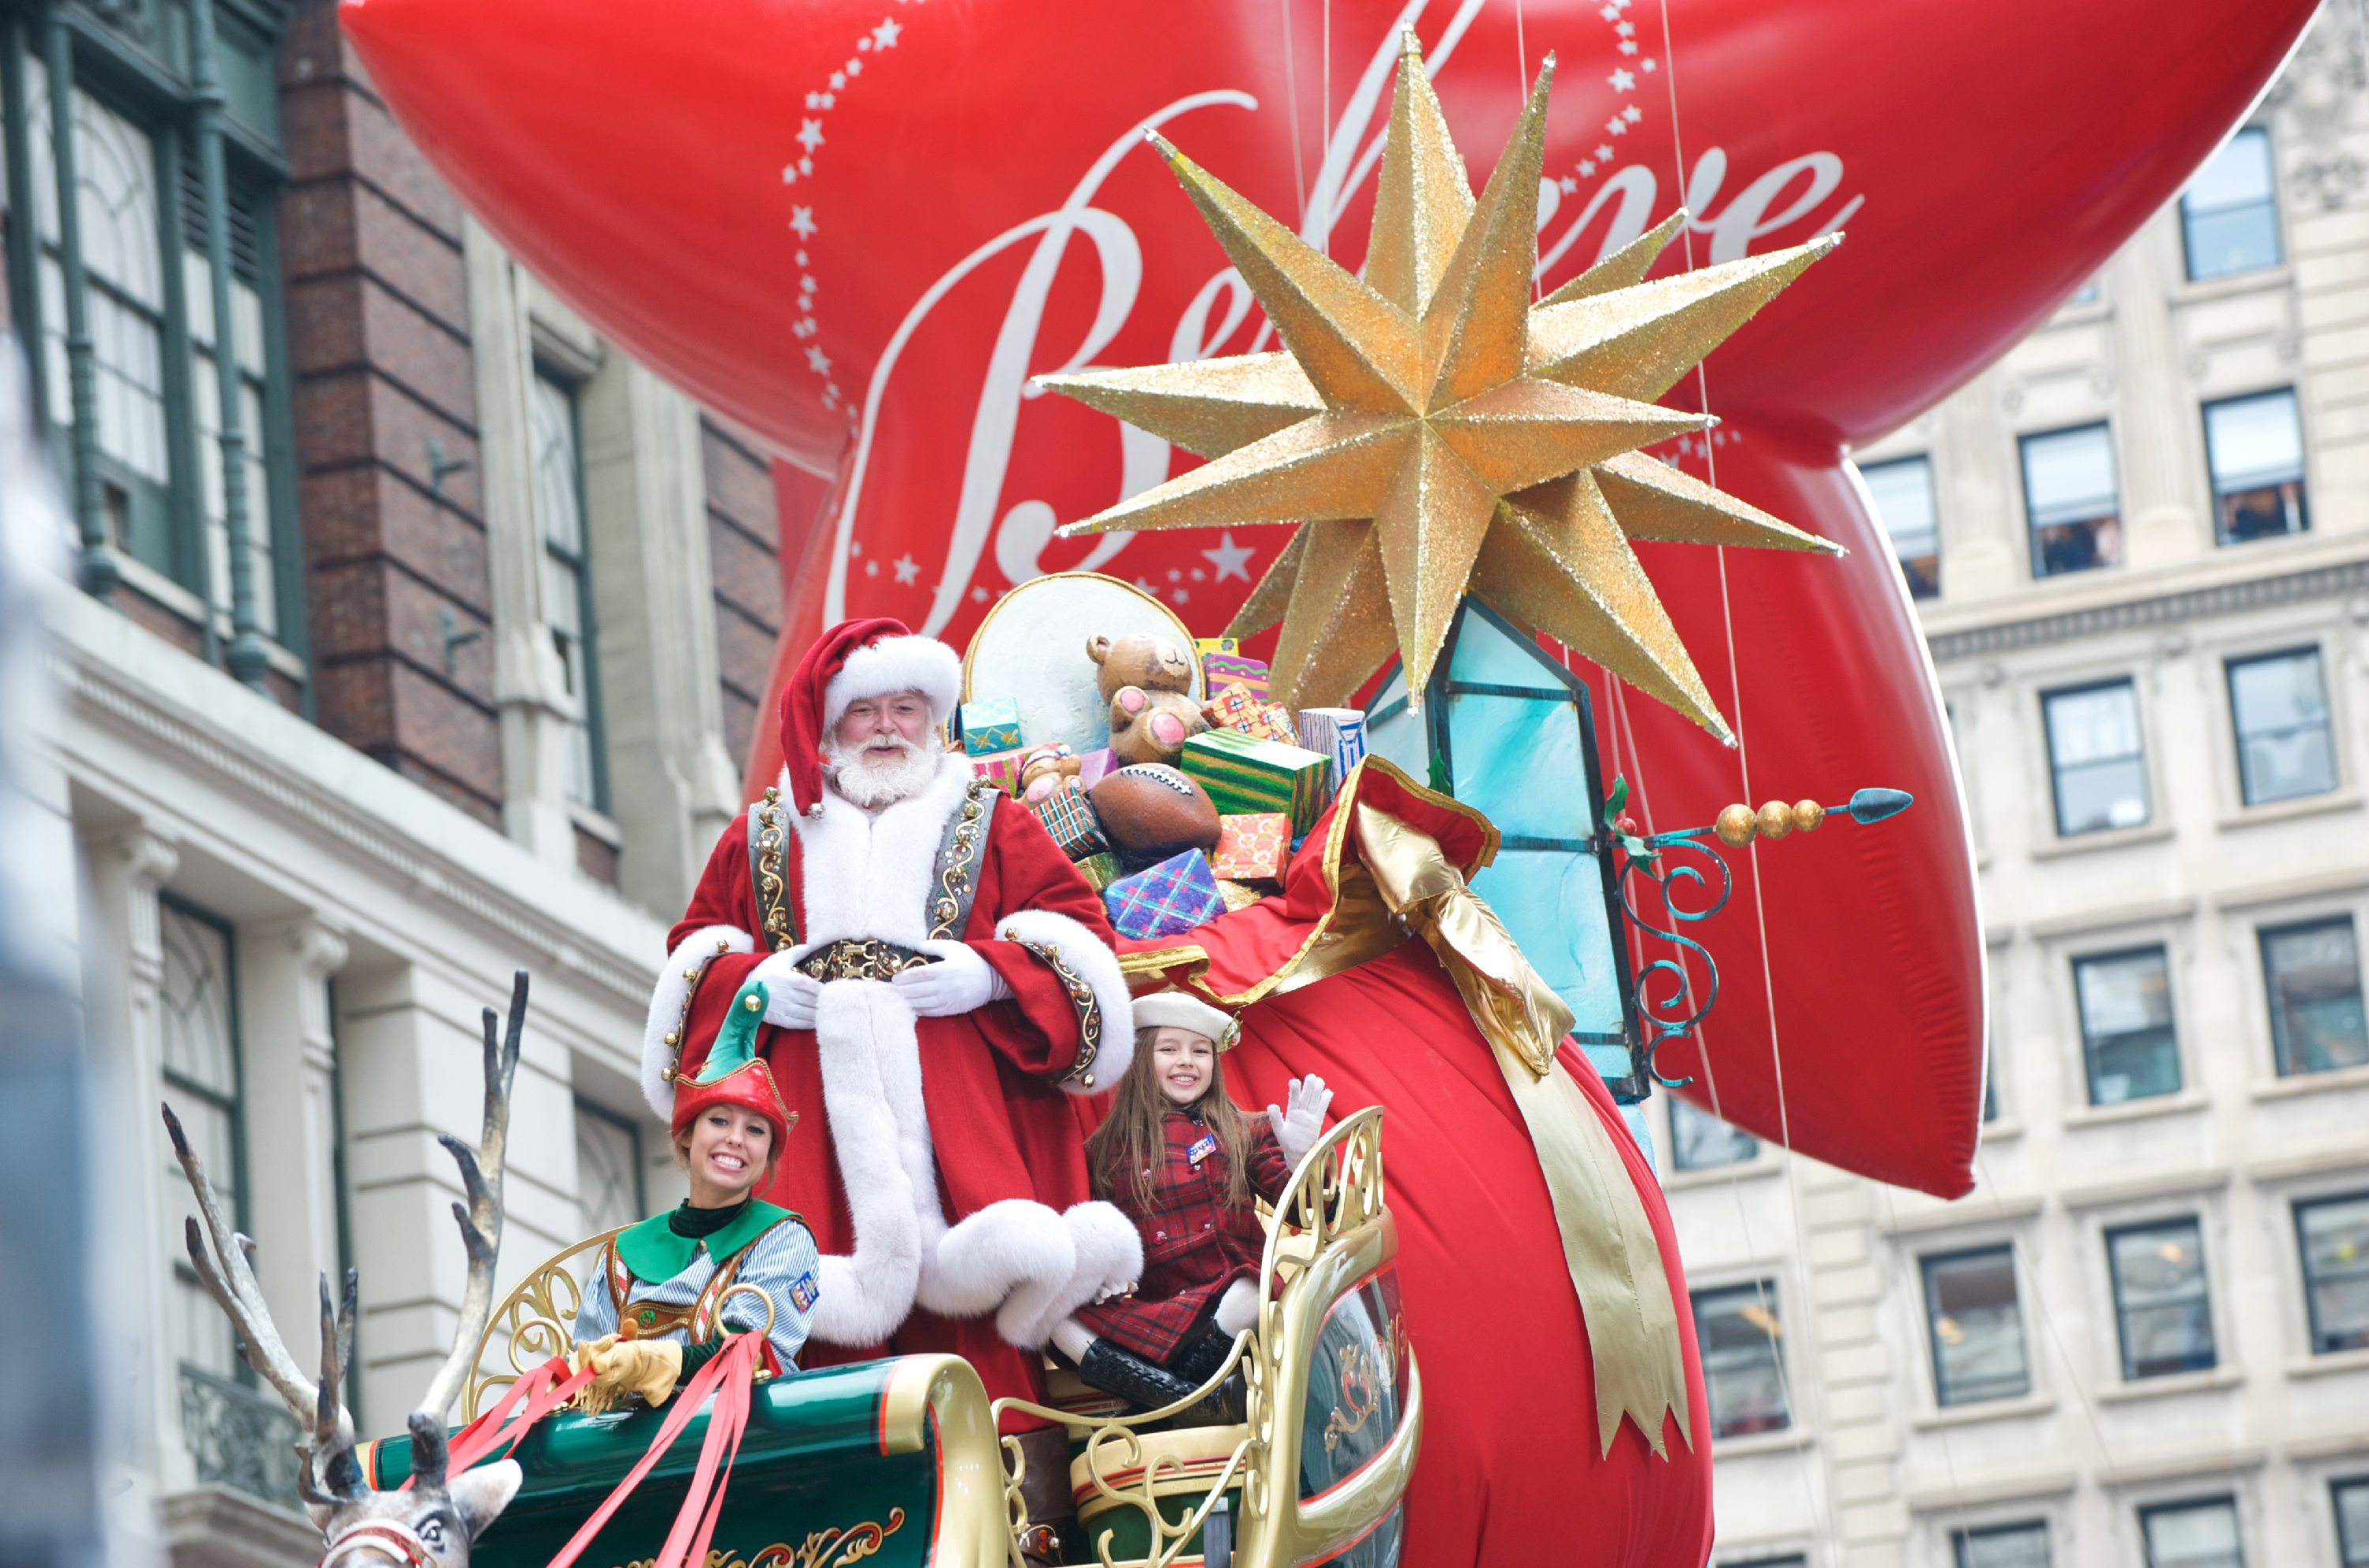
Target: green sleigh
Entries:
(896, 1463)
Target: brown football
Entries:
(1152, 811)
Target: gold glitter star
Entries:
(1433, 432)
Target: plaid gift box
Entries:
(1100, 870)
(991, 724)
(1167, 899)
(1238, 707)
(1220, 671)
(1252, 847)
(1002, 769)
(1337, 733)
(1070, 817)
(1244, 774)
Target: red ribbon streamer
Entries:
(481, 1437)
(739, 1357)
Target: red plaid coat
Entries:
(1194, 1246)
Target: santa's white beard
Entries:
(873, 777)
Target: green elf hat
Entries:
(734, 1074)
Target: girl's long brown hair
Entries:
(1131, 1137)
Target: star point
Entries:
(1432, 432)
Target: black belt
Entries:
(867, 959)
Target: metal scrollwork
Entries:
(536, 1320)
(767, 816)
(1680, 885)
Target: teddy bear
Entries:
(1147, 682)
(1046, 770)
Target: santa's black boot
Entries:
(1129, 1376)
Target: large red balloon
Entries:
(860, 226)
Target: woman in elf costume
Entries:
(1184, 1163)
(665, 1291)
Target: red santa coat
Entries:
(940, 1165)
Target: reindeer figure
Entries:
(434, 1522)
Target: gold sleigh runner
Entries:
(821, 1549)
(1392, 880)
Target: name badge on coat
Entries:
(1203, 1146)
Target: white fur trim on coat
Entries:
(880, 1136)
(665, 1007)
(1098, 966)
(896, 664)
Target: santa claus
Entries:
(940, 978)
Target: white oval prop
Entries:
(1032, 647)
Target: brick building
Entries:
(450, 669)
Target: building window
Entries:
(1970, 1307)
(2159, 1299)
(2279, 705)
(2126, 1033)
(1903, 491)
(2021, 1545)
(567, 580)
(1700, 1141)
(2202, 1534)
(148, 300)
(2229, 214)
(2070, 497)
(2352, 1499)
(1791, 1560)
(2333, 1235)
(1737, 1333)
(2096, 759)
(2254, 447)
(608, 1169)
(198, 1015)
(2312, 976)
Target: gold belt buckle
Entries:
(868, 958)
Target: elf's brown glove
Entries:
(645, 1366)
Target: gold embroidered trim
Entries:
(1082, 998)
(958, 859)
(765, 817)
(681, 1032)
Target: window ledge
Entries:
(2332, 1080)
(2334, 1364)
(1791, 1438)
(2259, 280)
(599, 825)
(147, 581)
(1751, 1170)
(2139, 1110)
(2003, 1129)
(2171, 1384)
(2103, 838)
(2289, 810)
(1983, 1410)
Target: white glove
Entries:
(1298, 1127)
(960, 981)
(789, 995)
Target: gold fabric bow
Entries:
(1607, 1240)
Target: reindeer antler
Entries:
(327, 1447)
(481, 1233)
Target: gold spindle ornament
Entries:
(1807, 815)
(1735, 826)
(1775, 819)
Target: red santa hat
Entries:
(852, 660)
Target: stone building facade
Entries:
(2141, 546)
(450, 672)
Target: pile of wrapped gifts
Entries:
(1170, 848)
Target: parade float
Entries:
(1430, 844)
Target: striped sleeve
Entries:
(784, 1264)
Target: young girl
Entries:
(1182, 1162)
(656, 1310)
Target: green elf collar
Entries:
(653, 1252)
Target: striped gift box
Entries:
(1001, 769)
(1220, 671)
(1337, 733)
(1246, 775)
